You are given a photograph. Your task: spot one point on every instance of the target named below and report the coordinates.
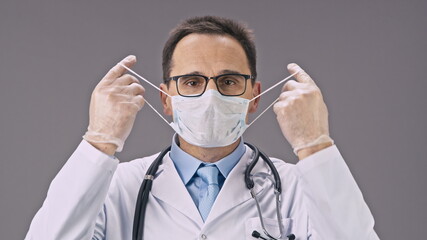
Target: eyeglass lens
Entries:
(193, 85)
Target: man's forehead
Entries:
(194, 38)
(220, 72)
(212, 52)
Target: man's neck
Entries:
(209, 155)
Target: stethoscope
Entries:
(147, 183)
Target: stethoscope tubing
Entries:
(257, 153)
(144, 191)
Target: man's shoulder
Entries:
(133, 172)
(286, 169)
(282, 163)
(138, 164)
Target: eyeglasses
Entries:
(194, 85)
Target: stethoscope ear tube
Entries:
(257, 153)
(248, 180)
(278, 183)
(144, 191)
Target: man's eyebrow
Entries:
(228, 71)
(194, 73)
(225, 71)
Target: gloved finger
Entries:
(118, 70)
(287, 94)
(139, 100)
(126, 79)
(301, 76)
(129, 107)
(281, 106)
(118, 95)
(277, 107)
(134, 89)
(291, 85)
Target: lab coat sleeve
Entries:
(334, 202)
(75, 196)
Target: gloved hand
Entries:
(114, 104)
(302, 113)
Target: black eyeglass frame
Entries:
(175, 78)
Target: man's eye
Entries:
(192, 83)
(229, 82)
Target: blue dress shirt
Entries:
(187, 166)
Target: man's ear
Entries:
(256, 90)
(166, 101)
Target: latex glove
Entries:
(114, 104)
(301, 112)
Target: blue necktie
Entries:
(209, 174)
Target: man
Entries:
(199, 190)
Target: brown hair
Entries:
(210, 25)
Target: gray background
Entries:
(368, 57)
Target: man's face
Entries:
(209, 55)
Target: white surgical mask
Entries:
(209, 120)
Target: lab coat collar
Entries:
(185, 164)
(168, 187)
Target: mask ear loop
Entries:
(145, 80)
(270, 88)
(164, 119)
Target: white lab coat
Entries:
(93, 197)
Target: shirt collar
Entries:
(187, 165)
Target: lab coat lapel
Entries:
(169, 188)
(234, 191)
